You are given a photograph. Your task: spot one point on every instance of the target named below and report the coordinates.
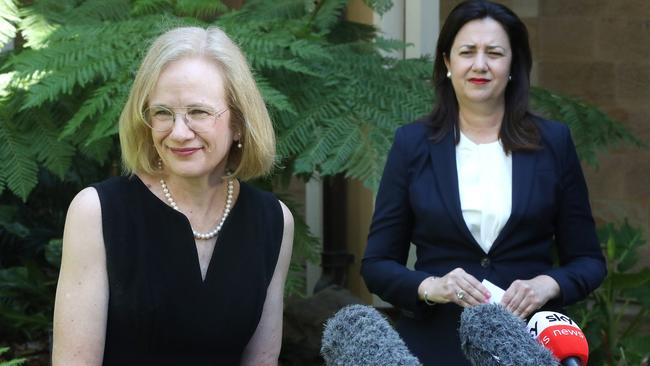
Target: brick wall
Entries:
(599, 51)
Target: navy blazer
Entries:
(418, 202)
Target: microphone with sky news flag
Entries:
(560, 335)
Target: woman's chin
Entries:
(189, 171)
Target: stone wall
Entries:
(599, 51)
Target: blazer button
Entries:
(485, 262)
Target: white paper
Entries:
(496, 291)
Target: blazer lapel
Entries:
(523, 172)
(443, 161)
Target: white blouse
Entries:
(485, 187)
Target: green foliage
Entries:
(8, 18)
(76, 67)
(27, 293)
(591, 128)
(615, 317)
(30, 253)
(380, 6)
(9, 223)
(16, 152)
(326, 14)
(14, 362)
(202, 9)
(25, 299)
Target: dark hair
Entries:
(518, 131)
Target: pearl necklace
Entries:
(226, 210)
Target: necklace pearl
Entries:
(226, 210)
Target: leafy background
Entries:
(334, 95)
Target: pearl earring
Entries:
(509, 77)
(239, 145)
(449, 74)
(159, 164)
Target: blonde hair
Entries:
(247, 109)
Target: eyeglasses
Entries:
(198, 119)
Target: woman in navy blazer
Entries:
(481, 74)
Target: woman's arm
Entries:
(264, 347)
(383, 266)
(80, 308)
(582, 264)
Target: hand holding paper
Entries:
(496, 291)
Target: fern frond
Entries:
(150, 7)
(379, 6)
(367, 164)
(297, 133)
(256, 39)
(99, 101)
(388, 45)
(35, 28)
(273, 97)
(352, 106)
(319, 153)
(203, 9)
(81, 55)
(273, 47)
(8, 19)
(5, 80)
(268, 11)
(107, 123)
(55, 154)
(98, 11)
(14, 362)
(342, 152)
(41, 18)
(293, 65)
(327, 13)
(294, 139)
(99, 150)
(17, 166)
(311, 49)
(592, 129)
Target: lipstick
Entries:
(184, 151)
(479, 81)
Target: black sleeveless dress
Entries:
(160, 310)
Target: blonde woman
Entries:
(179, 261)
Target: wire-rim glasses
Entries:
(197, 118)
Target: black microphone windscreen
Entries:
(492, 336)
(359, 335)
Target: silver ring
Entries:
(460, 294)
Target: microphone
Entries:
(492, 336)
(359, 335)
(560, 335)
